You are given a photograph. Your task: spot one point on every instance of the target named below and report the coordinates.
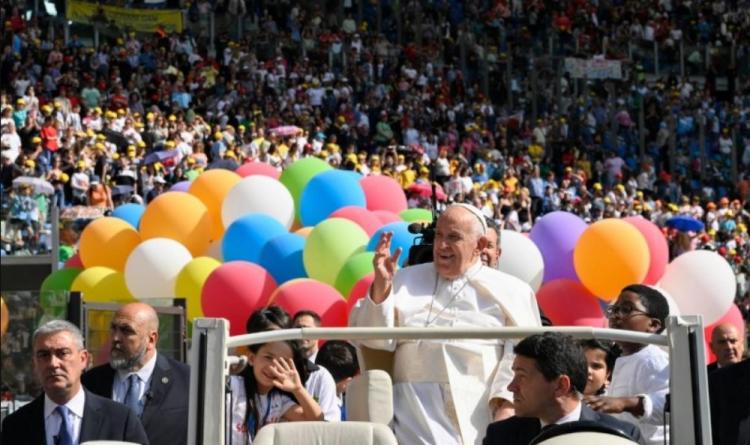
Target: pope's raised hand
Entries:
(385, 266)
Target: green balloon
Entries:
(298, 174)
(416, 215)
(356, 267)
(329, 245)
(60, 280)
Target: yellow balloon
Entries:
(107, 242)
(179, 216)
(189, 283)
(609, 255)
(102, 285)
(211, 187)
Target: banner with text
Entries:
(593, 68)
(139, 20)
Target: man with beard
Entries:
(153, 385)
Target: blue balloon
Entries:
(130, 213)
(245, 238)
(327, 192)
(282, 257)
(401, 238)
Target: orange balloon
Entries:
(181, 217)
(211, 187)
(107, 242)
(304, 231)
(609, 255)
(4, 317)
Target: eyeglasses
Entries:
(624, 311)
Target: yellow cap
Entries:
(149, 115)
(218, 135)
(80, 164)
(101, 137)
(21, 101)
(30, 163)
(58, 104)
(115, 156)
(141, 144)
(131, 148)
(98, 110)
(99, 146)
(90, 133)
(64, 177)
(36, 140)
(169, 144)
(172, 118)
(121, 111)
(230, 154)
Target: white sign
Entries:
(593, 68)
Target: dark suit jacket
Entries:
(103, 419)
(520, 430)
(712, 367)
(165, 413)
(729, 391)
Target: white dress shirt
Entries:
(52, 419)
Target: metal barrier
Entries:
(210, 362)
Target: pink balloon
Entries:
(234, 290)
(359, 291)
(308, 294)
(568, 303)
(734, 317)
(657, 247)
(383, 193)
(386, 217)
(73, 262)
(258, 168)
(364, 218)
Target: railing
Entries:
(210, 362)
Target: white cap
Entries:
(474, 211)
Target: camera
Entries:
(421, 251)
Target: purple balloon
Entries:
(181, 186)
(556, 235)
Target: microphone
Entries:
(416, 228)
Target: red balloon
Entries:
(383, 193)
(386, 217)
(364, 218)
(234, 290)
(258, 168)
(657, 248)
(359, 291)
(568, 303)
(308, 294)
(734, 317)
(74, 261)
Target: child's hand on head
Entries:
(285, 375)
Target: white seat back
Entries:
(369, 397)
(325, 433)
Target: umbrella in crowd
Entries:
(226, 164)
(39, 184)
(685, 224)
(286, 130)
(424, 189)
(81, 212)
(159, 156)
(120, 190)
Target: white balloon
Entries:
(702, 283)
(214, 250)
(152, 268)
(521, 258)
(258, 194)
(673, 308)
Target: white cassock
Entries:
(442, 388)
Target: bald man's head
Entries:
(134, 332)
(727, 344)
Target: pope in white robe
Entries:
(443, 388)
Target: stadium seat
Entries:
(369, 397)
(581, 433)
(325, 433)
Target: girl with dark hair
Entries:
(270, 389)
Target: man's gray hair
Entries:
(55, 326)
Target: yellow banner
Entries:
(139, 20)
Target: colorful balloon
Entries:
(401, 238)
(383, 193)
(234, 290)
(386, 217)
(556, 235)
(328, 247)
(657, 247)
(130, 213)
(610, 255)
(246, 237)
(102, 285)
(295, 296)
(568, 303)
(702, 283)
(107, 242)
(74, 262)
(258, 194)
(733, 317)
(296, 176)
(328, 192)
(359, 291)
(211, 188)
(60, 280)
(182, 186)
(282, 257)
(360, 215)
(152, 268)
(521, 258)
(258, 168)
(356, 267)
(181, 217)
(190, 281)
(416, 215)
